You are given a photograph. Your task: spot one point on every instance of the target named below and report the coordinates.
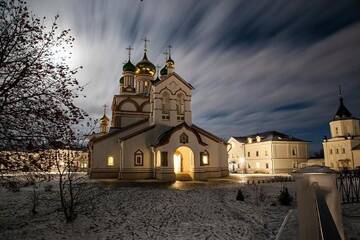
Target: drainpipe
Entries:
(121, 162)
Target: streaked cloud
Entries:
(256, 65)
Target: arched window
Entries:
(180, 106)
(166, 102)
(204, 158)
(139, 158)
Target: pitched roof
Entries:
(342, 112)
(270, 136)
(178, 77)
(164, 138)
(357, 147)
(118, 130)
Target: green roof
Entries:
(122, 80)
(129, 67)
(163, 71)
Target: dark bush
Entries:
(13, 186)
(239, 196)
(48, 188)
(284, 197)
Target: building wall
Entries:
(339, 150)
(344, 128)
(267, 156)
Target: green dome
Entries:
(163, 71)
(129, 67)
(122, 80)
(145, 67)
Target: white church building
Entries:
(342, 149)
(151, 133)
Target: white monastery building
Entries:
(342, 150)
(267, 152)
(151, 133)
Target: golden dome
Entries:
(145, 67)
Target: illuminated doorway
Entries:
(183, 160)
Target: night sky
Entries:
(255, 65)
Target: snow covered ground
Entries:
(149, 210)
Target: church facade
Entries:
(342, 149)
(151, 133)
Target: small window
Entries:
(249, 165)
(336, 130)
(267, 166)
(343, 150)
(331, 152)
(266, 153)
(257, 153)
(294, 152)
(184, 138)
(164, 159)
(139, 158)
(337, 151)
(204, 158)
(110, 161)
(248, 154)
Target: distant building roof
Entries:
(269, 136)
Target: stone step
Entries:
(183, 177)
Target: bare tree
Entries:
(37, 90)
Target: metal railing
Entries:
(348, 185)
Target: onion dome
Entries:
(129, 67)
(122, 80)
(145, 67)
(170, 63)
(163, 71)
(104, 118)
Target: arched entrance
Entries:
(183, 163)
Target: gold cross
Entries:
(145, 45)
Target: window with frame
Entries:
(249, 165)
(164, 159)
(110, 161)
(180, 109)
(267, 165)
(337, 151)
(294, 152)
(138, 158)
(343, 150)
(257, 153)
(248, 154)
(165, 103)
(331, 152)
(336, 130)
(204, 158)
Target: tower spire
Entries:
(169, 47)
(166, 53)
(129, 51)
(104, 109)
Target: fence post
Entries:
(325, 180)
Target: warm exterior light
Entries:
(177, 162)
(110, 161)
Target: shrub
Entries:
(284, 197)
(13, 186)
(239, 196)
